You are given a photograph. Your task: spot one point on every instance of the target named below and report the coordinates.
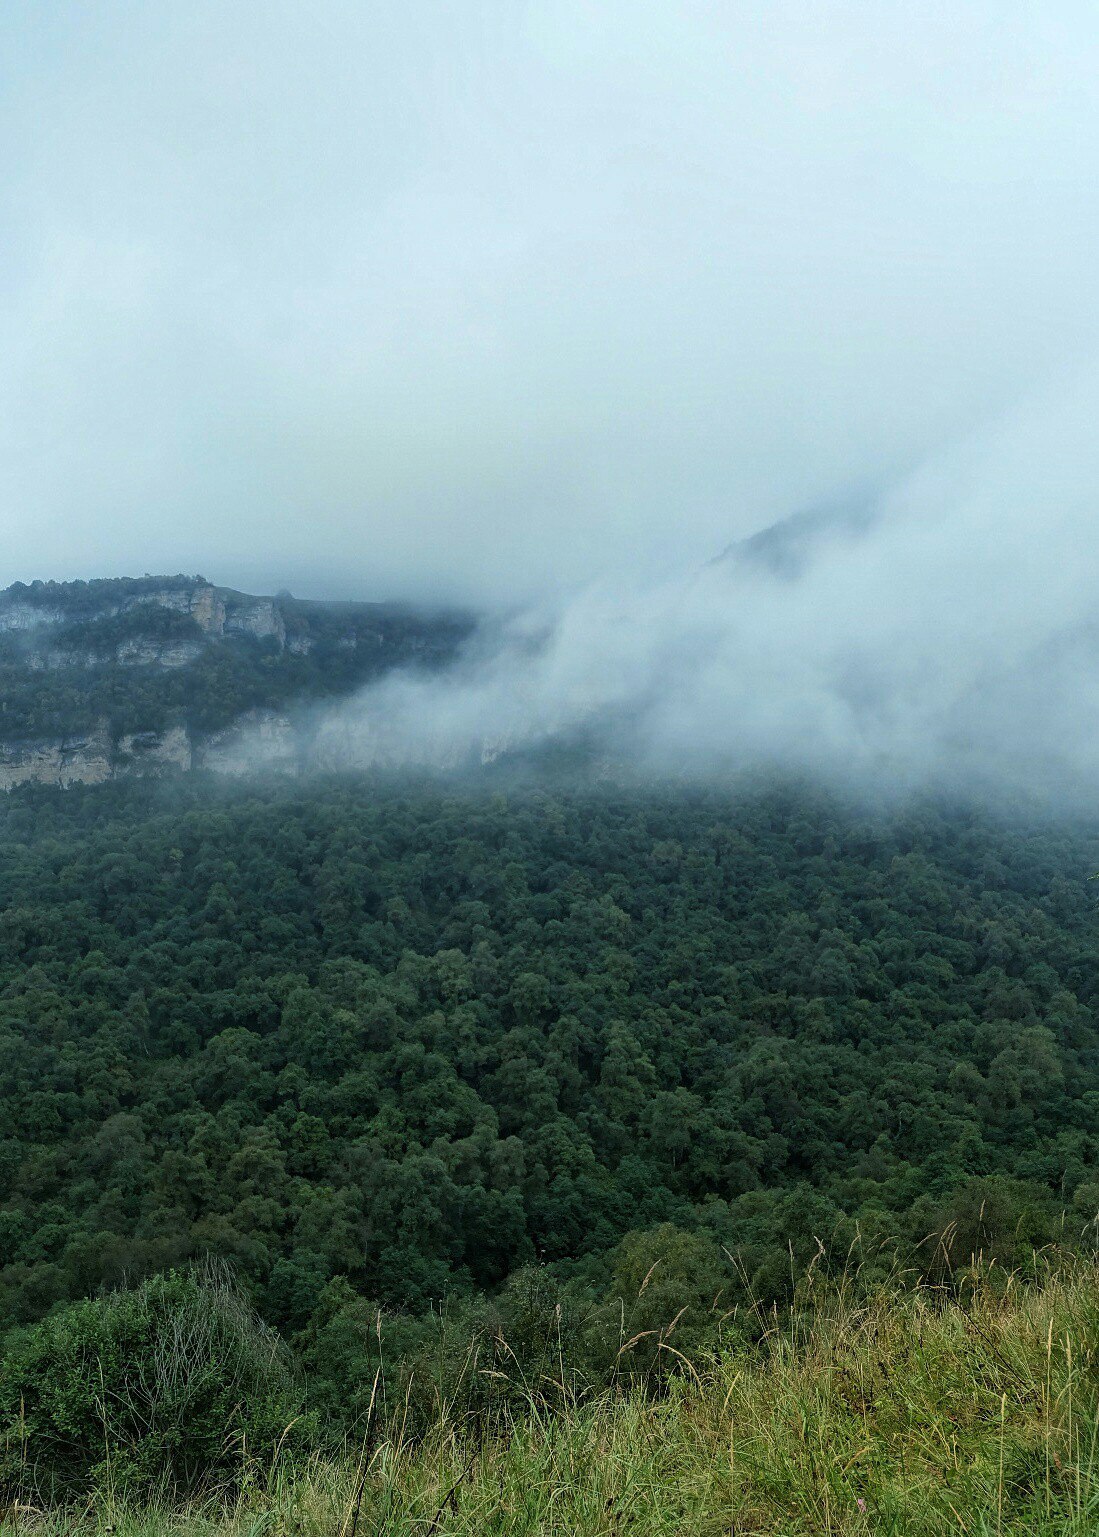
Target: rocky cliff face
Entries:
(84, 758)
(94, 757)
(138, 652)
(160, 675)
(260, 740)
(220, 611)
(216, 611)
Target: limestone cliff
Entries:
(161, 675)
(216, 611)
(85, 758)
(259, 740)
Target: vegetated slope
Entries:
(373, 1042)
(899, 1412)
(147, 675)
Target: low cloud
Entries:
(949, 632)
(536, 307)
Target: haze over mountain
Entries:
(943, 634)
(542, 307)
(155, 676)
(947, 632)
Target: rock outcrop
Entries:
(154, 752)
(107, 679)
(259, 739)
(215, 610)
(86, 758)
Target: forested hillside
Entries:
(386, 1045)
(154, 675)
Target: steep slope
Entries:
(154, 675)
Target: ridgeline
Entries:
(154, 676)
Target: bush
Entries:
(167, 1387)
(669, 1293)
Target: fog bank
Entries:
(949, 633)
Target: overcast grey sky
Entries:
(484, 298)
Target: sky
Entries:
(544, 304)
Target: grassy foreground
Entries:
(904, 1414)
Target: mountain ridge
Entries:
(162, 674)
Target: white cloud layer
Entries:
(953, 640)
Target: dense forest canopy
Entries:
(398, 1043)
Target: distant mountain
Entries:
(786, 548)
(160, 674)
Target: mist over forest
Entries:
(942, 633)
(558, 304)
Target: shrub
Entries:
(170, 1386)
(668, 1295)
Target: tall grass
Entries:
(909, 1412)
